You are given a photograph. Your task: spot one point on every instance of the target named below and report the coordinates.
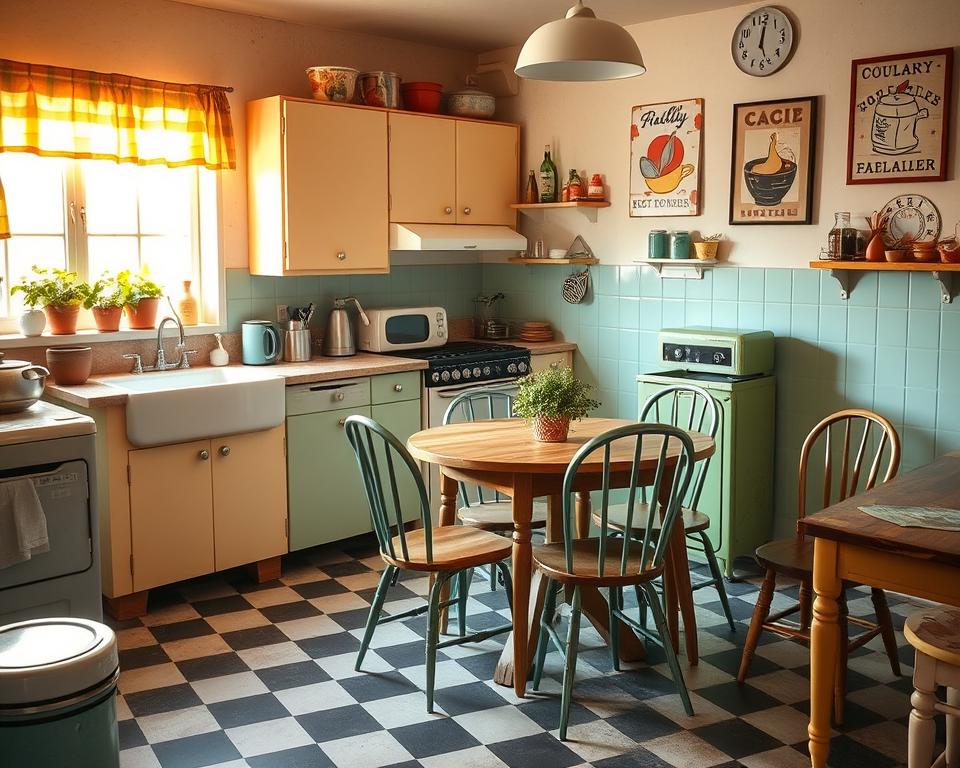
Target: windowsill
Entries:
(93, 336)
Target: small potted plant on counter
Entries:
(551, 398)
(106, 299)
(141, 298)
(59, 292)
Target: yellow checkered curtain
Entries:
(4, 220)
(60, 112)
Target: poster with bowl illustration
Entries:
(771, 181)
(899, 118)
(665, 158)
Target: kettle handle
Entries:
(272, 345)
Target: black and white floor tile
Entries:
(223, 672)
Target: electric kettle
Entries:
(338, 341)
(261, 342)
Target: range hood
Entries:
(454, 237)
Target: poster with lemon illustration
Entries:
(772, 174)
(665, 158)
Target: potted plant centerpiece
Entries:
(106, 299)
(141, 298)
(59, 292)
(551, 398)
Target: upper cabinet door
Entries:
(335, 188)
(487, 167)
(423, 169)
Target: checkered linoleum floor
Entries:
(228, 673)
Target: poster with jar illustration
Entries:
(665, 158)
(899, 118)
(771, 180)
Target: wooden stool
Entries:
(935, 634)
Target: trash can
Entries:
(58, 685)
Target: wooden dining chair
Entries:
(613, 561)
(694, 409)
(479, 508)
(864, 433)
(445, 553)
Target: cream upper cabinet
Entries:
(317, 188)
(423, 168)
(487, 172)
(446, 171)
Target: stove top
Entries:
(462, 362)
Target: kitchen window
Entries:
(96, 216)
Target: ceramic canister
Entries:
(680, 245)
(657, 244)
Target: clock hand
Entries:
(763, 32)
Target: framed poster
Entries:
(771, 181)
(665, 158)
(899, 117)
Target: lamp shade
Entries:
(580, 47)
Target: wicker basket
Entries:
(551, 429)
(706, 250)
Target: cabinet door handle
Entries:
(466, 211)
(204, 455)
(224, 450)
(448, 210)
(341, 256)
(341, 422)
(398, 387)
(338, 396)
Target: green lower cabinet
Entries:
(403, 419)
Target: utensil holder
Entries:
(297, 346)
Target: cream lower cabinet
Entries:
(542, 362)
(206, 506)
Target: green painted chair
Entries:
(691, 408)
(446, 553)
(489, 511)
(614, 561)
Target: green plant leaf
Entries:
(553, 392)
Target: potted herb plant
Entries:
(141, 298)
(551, 398)
(60, 292)
(106, 299)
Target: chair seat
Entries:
(791, 557)
(693, 520)
(455, 547)
(935, 631)
(552, 560)
(498, 515)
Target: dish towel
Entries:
(23, 526)
(938, 518)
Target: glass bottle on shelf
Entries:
(548, 178)
(532, 193)
(842, 239)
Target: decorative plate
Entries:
(910, 217)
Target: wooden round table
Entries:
(501, 454)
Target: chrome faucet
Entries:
(181, 347)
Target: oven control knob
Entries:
(476, 372)
(455, 375)
(511, 368)
(486, 370)
(678, 353)
(466, 373)
(445, 376)
(435, 377)
(522, 367)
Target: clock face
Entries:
(763, 41)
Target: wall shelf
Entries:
(689, 269)
(578, 260)
(842, 272)
(587, 207)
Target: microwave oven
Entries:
(394, 329)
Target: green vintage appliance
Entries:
(736, 367)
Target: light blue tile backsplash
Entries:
(892, 347)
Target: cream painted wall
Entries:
(183, 43)
(686, 57)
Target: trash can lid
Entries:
(46, 659)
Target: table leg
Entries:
(582, 514)
(824, 648)
(448, 516)
(684, 592)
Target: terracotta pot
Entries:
(107, 318)
(62, 319)
(70, 366)
(143, 314)
(875, 248)
(551, 429)
(897, 255)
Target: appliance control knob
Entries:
(476, 372)
(455, 375)
(466, 373)
(511, 368)
(486, 370)
(434, 376)
(522, 367)
(678, 353)
(445, 376)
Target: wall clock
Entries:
(763, 41)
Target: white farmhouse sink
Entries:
(179, 406)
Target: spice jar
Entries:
(595, 188)
(657, 244)
(575, 186)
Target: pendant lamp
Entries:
(580, 47)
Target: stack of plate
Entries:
(534, 330)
